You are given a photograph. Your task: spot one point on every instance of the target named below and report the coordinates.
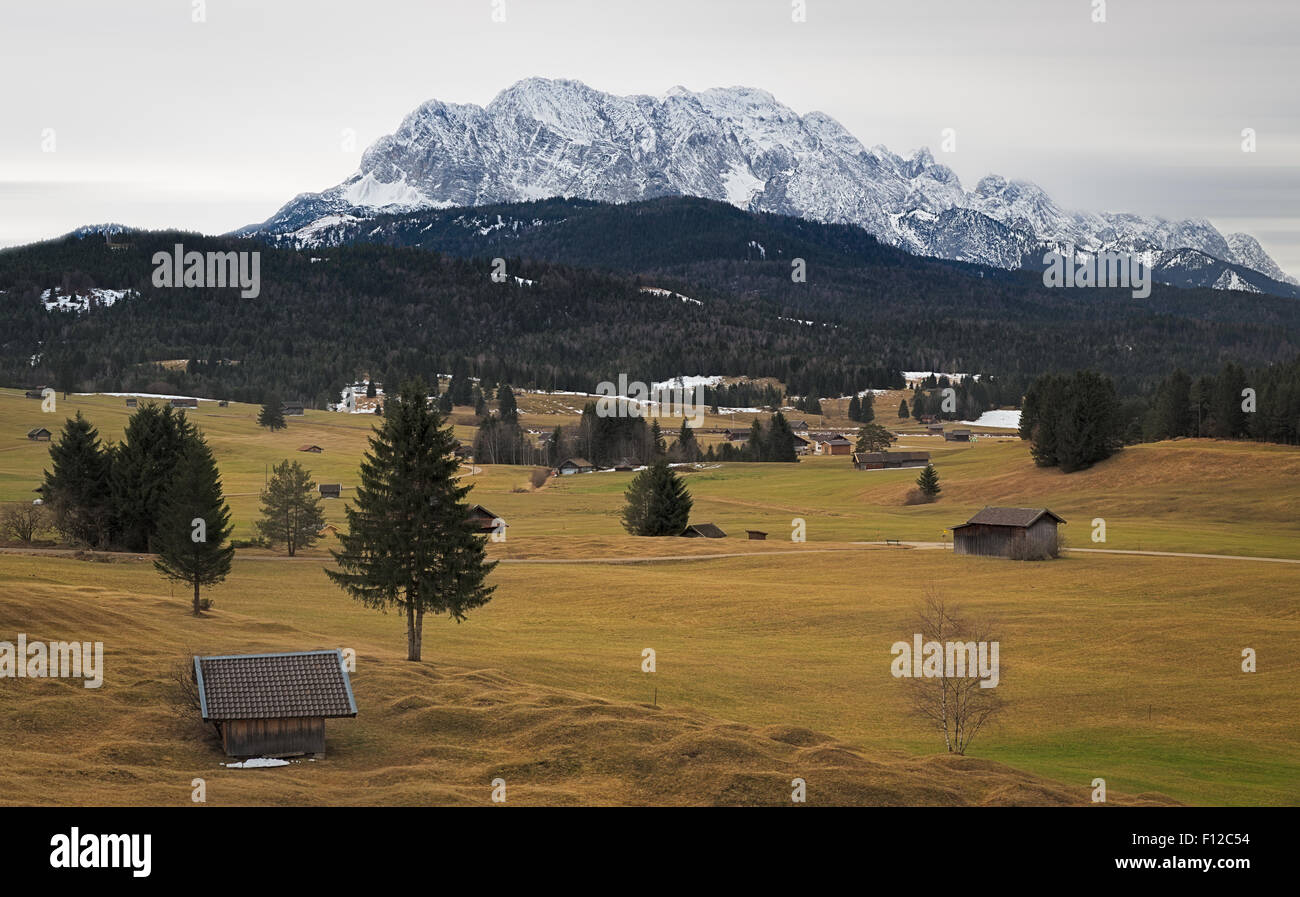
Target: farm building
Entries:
(273, 705)
(328, 529)
(834, 444)
(889, 460)
(756, 535)
(1017, 533)
(38, 393)
(575, 465)
(314, 449)
(934, 429)
(132, 403)
(801, 446)
(738, 434)
(799, 426)
(185, 403)
(957, 436)
(703, 531)
(331, 490)
(40, 434)
(291, 409)
(484, 520)
(223, 404)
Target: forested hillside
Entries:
(583, 311)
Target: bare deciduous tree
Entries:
(23, 522)
(958, 707)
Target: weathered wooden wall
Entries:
(273, 737)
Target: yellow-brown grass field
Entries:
(773, 658)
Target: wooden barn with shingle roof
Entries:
(1018, 533)
(273, 705)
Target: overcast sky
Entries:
(160, 121)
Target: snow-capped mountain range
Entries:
(541, 138)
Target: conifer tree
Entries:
(77, 489)
(507, 409)
(291, 509)
(194, 522)
(902, 409)
(142, 464)
(855, 408)
(658, 503)
(272, 414)
(410, 544)
(928, 482)
(874, 438)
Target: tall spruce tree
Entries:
(855, 408)
(657, 503)
(686, 448)
(292, 515)
(142, 464)
(928, 482)
(410, 544)
(272, 414)
(194, 522)
(779, 440)
(507, 409)
(867, 408)
(902, 409)
(77, 489)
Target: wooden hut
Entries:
(957, 435)
(484, 520)
(39, 434)
(291, 409)
(756, 535)
(314, 449)
(889, 460)
(1022, 534)
(133, 403)
(331, 490)
(273, 705)
(703, 531)
(185, 403)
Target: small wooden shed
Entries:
(273, 705)
(314, 449)
(958, 435)
(39, 434)
(331, 490)
(185, 403)
(703, 531)
(1023, 534)
(756, 535)
(889, 460)
(291, 409)
(484, 520)
(133, 403)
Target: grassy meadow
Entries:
(771, 664)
